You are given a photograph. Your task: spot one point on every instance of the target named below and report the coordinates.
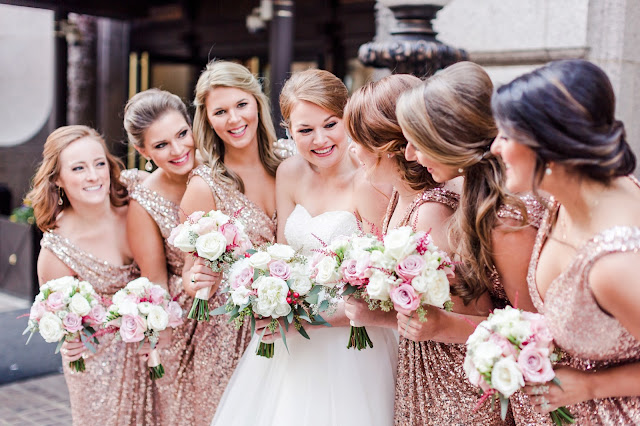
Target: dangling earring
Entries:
(148, 165)
(460, 170)
(547, 170)
(60, 202)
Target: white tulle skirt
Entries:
(319, 382)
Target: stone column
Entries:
(81, 73)
(280, 54)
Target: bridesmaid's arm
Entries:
(147, 244)
(197, 197)
(511, 256)
(286, 181)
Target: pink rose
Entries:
(156, 295)
(405, 297)
(132, 328)
(97, 315)
(175, 314)
(364, 266)
(243, 279)
(507, 347)
(350, 271)
(410, 267)
(231, 233)
(205, 225)
(55, 301)
(242, 247)
(540, 334)
(37, 310)
(72, 322)
(317, 257)
(279, 269)
(535, 364)
(174, 233)
(195, 216)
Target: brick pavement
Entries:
(42, 401)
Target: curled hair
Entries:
(211, 147)
(44, 193)
(370, 119)
(144, 108)
(318, 87)
(565, 112)
(449, 119)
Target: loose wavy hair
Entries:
(44, 194)
(229, 74)
(449, 119)
(565, 112)
(370, 119)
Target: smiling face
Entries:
(233, 114)
(440, 172)
(319, 134)
(84, 172)
(169, 143)
(519, 161)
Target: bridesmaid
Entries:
(558, 133)
(448, 124)
(81, 207)
(234, 133)
(159, 127)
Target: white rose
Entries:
(240, 296)
(299, 278)
(506, 377)
(282, 310)
(432, 259)
(119, 297)
(260, 260)
(50, 327)
(158, 319)
(398, 243)
(219, 217)
(480, 334)
(281, 252)
(341, 242)
(128, 307)
(520, 330)
(485, 355)
(379, 285)
(211, 245)
(380, 259)
(327, 274)
(139, 285)
(437, 291)
(185, 239)
(272, 292)
(85, 288)
(144, 307)
(79, 305)
(63, 284)
(363, 243)
(205, 225)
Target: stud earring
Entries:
(148, 166)
(60, 202)
(460, 170)
(388, 155)
(547, 170)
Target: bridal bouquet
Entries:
(274, 283)
(141, 310)
(506, 350)
(215, 237)
(403, 269)
(66, 309)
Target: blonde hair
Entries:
(449, 119)
(210, 145)
(45, 194)
(144, 108)
(370, 119)
(318, 87)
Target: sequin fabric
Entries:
(113, 388)
(216, 347)
(174, 406)
(431, 387)
(591, 339)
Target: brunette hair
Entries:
(318, 87)
(144, 108)
(449, 119)
(565, 112)
(44, 194)
(370, 119)
(211, 147)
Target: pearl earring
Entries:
(148, 166)
(388, 155)
(547, 170)
(460, 170)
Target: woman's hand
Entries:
(271, 336)
(575, 388)
(72, 351)
(202, 276)
(410, 326)
(164, 341)
(358, 312)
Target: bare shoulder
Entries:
(292, 167)
(615, 276)
(509, 232)
(197, 197)
(51, 267)
(432, 215)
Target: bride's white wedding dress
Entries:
(319, 382)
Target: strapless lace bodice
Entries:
(302, 229)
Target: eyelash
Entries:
(240, 106)
(327, 126)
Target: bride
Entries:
(320, 193)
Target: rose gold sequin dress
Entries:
(432, 388)
(216, 346)
(592, 339)
(113, 388)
